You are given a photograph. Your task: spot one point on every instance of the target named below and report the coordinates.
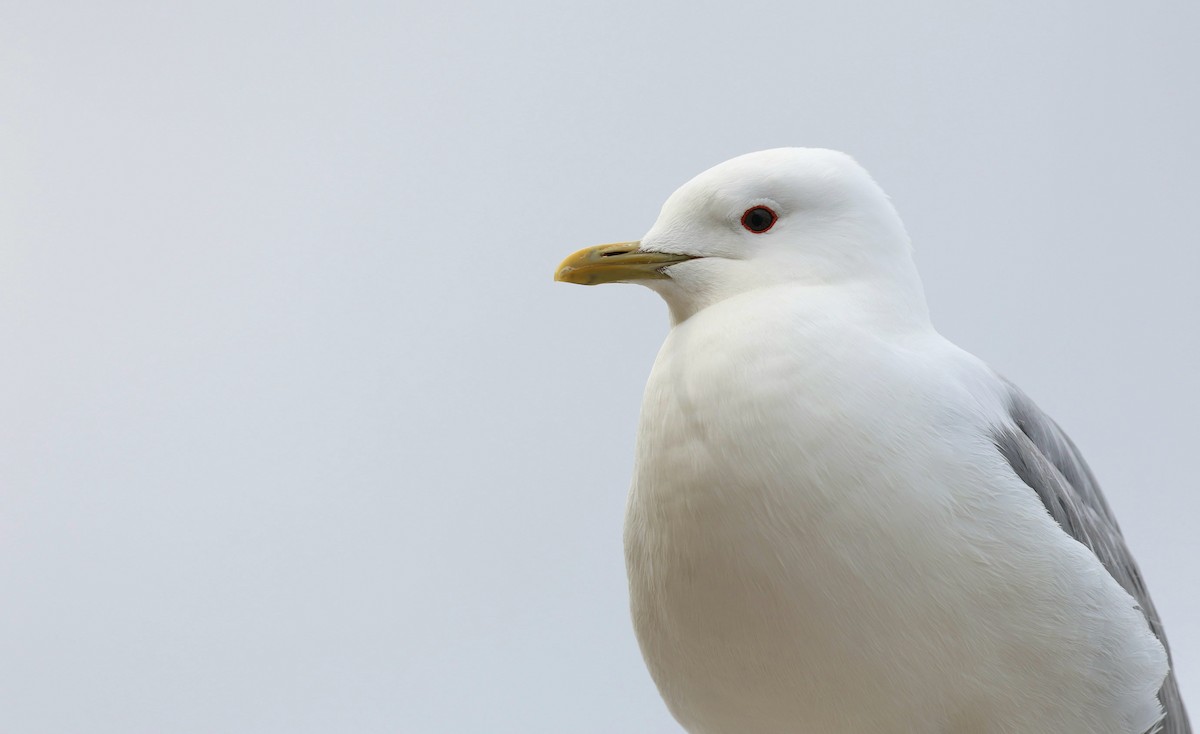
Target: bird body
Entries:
(840, 522)
(794, 567)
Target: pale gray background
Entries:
(296, 433)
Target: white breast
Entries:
(821, 537)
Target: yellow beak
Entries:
(615, 263)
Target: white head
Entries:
(806, 217)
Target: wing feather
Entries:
(1045, 458)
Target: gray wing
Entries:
(1045, 459)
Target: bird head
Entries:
(790, 216)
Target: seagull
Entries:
(839, 521)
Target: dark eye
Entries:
(759, 219)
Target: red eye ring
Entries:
(759, 219)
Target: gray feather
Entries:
(1045, 459)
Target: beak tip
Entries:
(568, 274)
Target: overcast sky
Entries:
(298, 435)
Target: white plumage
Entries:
(833, 525)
